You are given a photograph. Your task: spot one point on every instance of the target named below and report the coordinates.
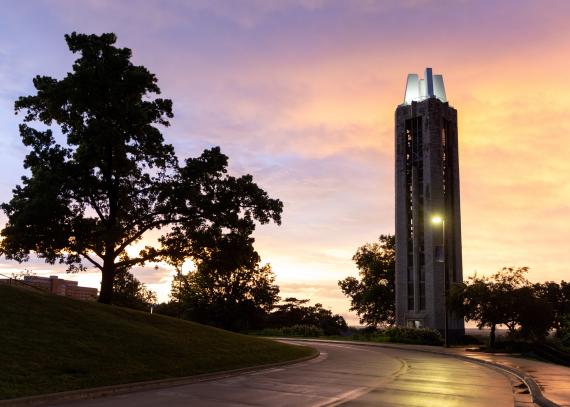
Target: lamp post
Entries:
(436, 220)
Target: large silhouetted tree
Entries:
(373, 295)
(112, 177)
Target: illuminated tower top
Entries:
(420, 89)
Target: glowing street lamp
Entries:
(440, 220)
(436, 219)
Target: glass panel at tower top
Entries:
(420, 89)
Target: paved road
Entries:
(345, 375)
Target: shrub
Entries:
(564, 329)
(565, 340)
(377, 336)
(467, 340)
(295, 330)
(419, 336)
(302, 330)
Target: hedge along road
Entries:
(343, 374)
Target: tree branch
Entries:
(97, 209)
(95, 263)
(141, 260)
(138, 235)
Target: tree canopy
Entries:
(229, 288)
(373, 295)
(129, 292)
(507, 298)
(558, 296)
(112, 177)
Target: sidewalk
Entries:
(554, 380)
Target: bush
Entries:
(419, 336)
(376, 336)
(302, 330)
(295, 330)
(564, 330)
(467, 340)
(294, 311)
(565, 340)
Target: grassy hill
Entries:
(50, 344)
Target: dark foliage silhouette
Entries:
(229, 288)
(373, 296)
(295, 312)
(112, 177)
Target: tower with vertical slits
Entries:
(428, 255)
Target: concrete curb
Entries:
(534, 389)
(105, 391)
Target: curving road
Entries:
(343, 374)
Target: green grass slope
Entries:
(50, 344)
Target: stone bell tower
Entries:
(428, 254)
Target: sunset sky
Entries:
(302, 94)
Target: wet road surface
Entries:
(343, 374)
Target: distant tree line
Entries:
(230, 290)
(529, 310)
(242, 297)
(295, 312)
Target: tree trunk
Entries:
(108, 275)
(512, 329)
(492, 337)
